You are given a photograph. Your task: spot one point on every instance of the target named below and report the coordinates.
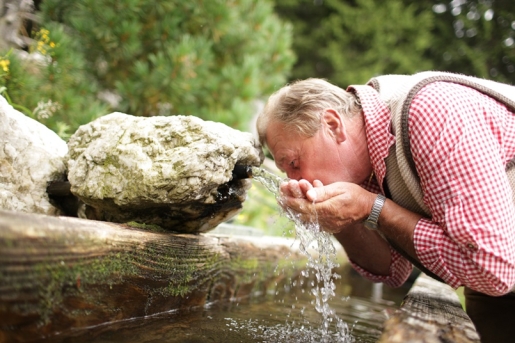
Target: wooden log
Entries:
(431, 313)
(58, 273)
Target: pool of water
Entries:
(288, 315)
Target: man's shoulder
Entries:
(400, 87)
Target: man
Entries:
(408, 170)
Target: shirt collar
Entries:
(377, 126)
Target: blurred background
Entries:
(65, 63)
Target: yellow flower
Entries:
(4, 64)
(44, 44)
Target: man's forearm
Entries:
(366, 248)
(397, 224)
(369, 250)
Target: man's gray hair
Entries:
(300, 105)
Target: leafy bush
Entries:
(50, 84)
(210, 59)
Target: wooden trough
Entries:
(60, 273)
(430, 313)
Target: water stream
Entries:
(320, 251)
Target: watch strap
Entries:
(371, 221)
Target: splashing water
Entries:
(319, 249)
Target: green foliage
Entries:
(210, 59)
(474, 37)
(262, 211)
(350, 41)
(347, 42)
(50, 84)
(377, 45)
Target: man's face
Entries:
(312, 158)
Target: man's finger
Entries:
(285, 189)
(322, 193)
(305, 186)
(312, 194)
(299, 205)
(318, 183)
(295, 189)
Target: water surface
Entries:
(289, 315)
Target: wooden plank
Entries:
(431, 312)
(58, 273)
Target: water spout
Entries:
(241, 172)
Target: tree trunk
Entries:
(13, 14)
(58, 273)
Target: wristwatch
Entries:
(371, 221)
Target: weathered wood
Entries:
(430, 313)
(58, 273)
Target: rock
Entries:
(31, 155)
(174, 172)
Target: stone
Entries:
(174, 172)
(31, 155)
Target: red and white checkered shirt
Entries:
(461, 141)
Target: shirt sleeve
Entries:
(460, 141)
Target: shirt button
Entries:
(471, 246)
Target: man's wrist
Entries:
(371, 222)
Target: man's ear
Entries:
(334, 124)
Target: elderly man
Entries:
(408, 170)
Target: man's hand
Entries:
(336, 206)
